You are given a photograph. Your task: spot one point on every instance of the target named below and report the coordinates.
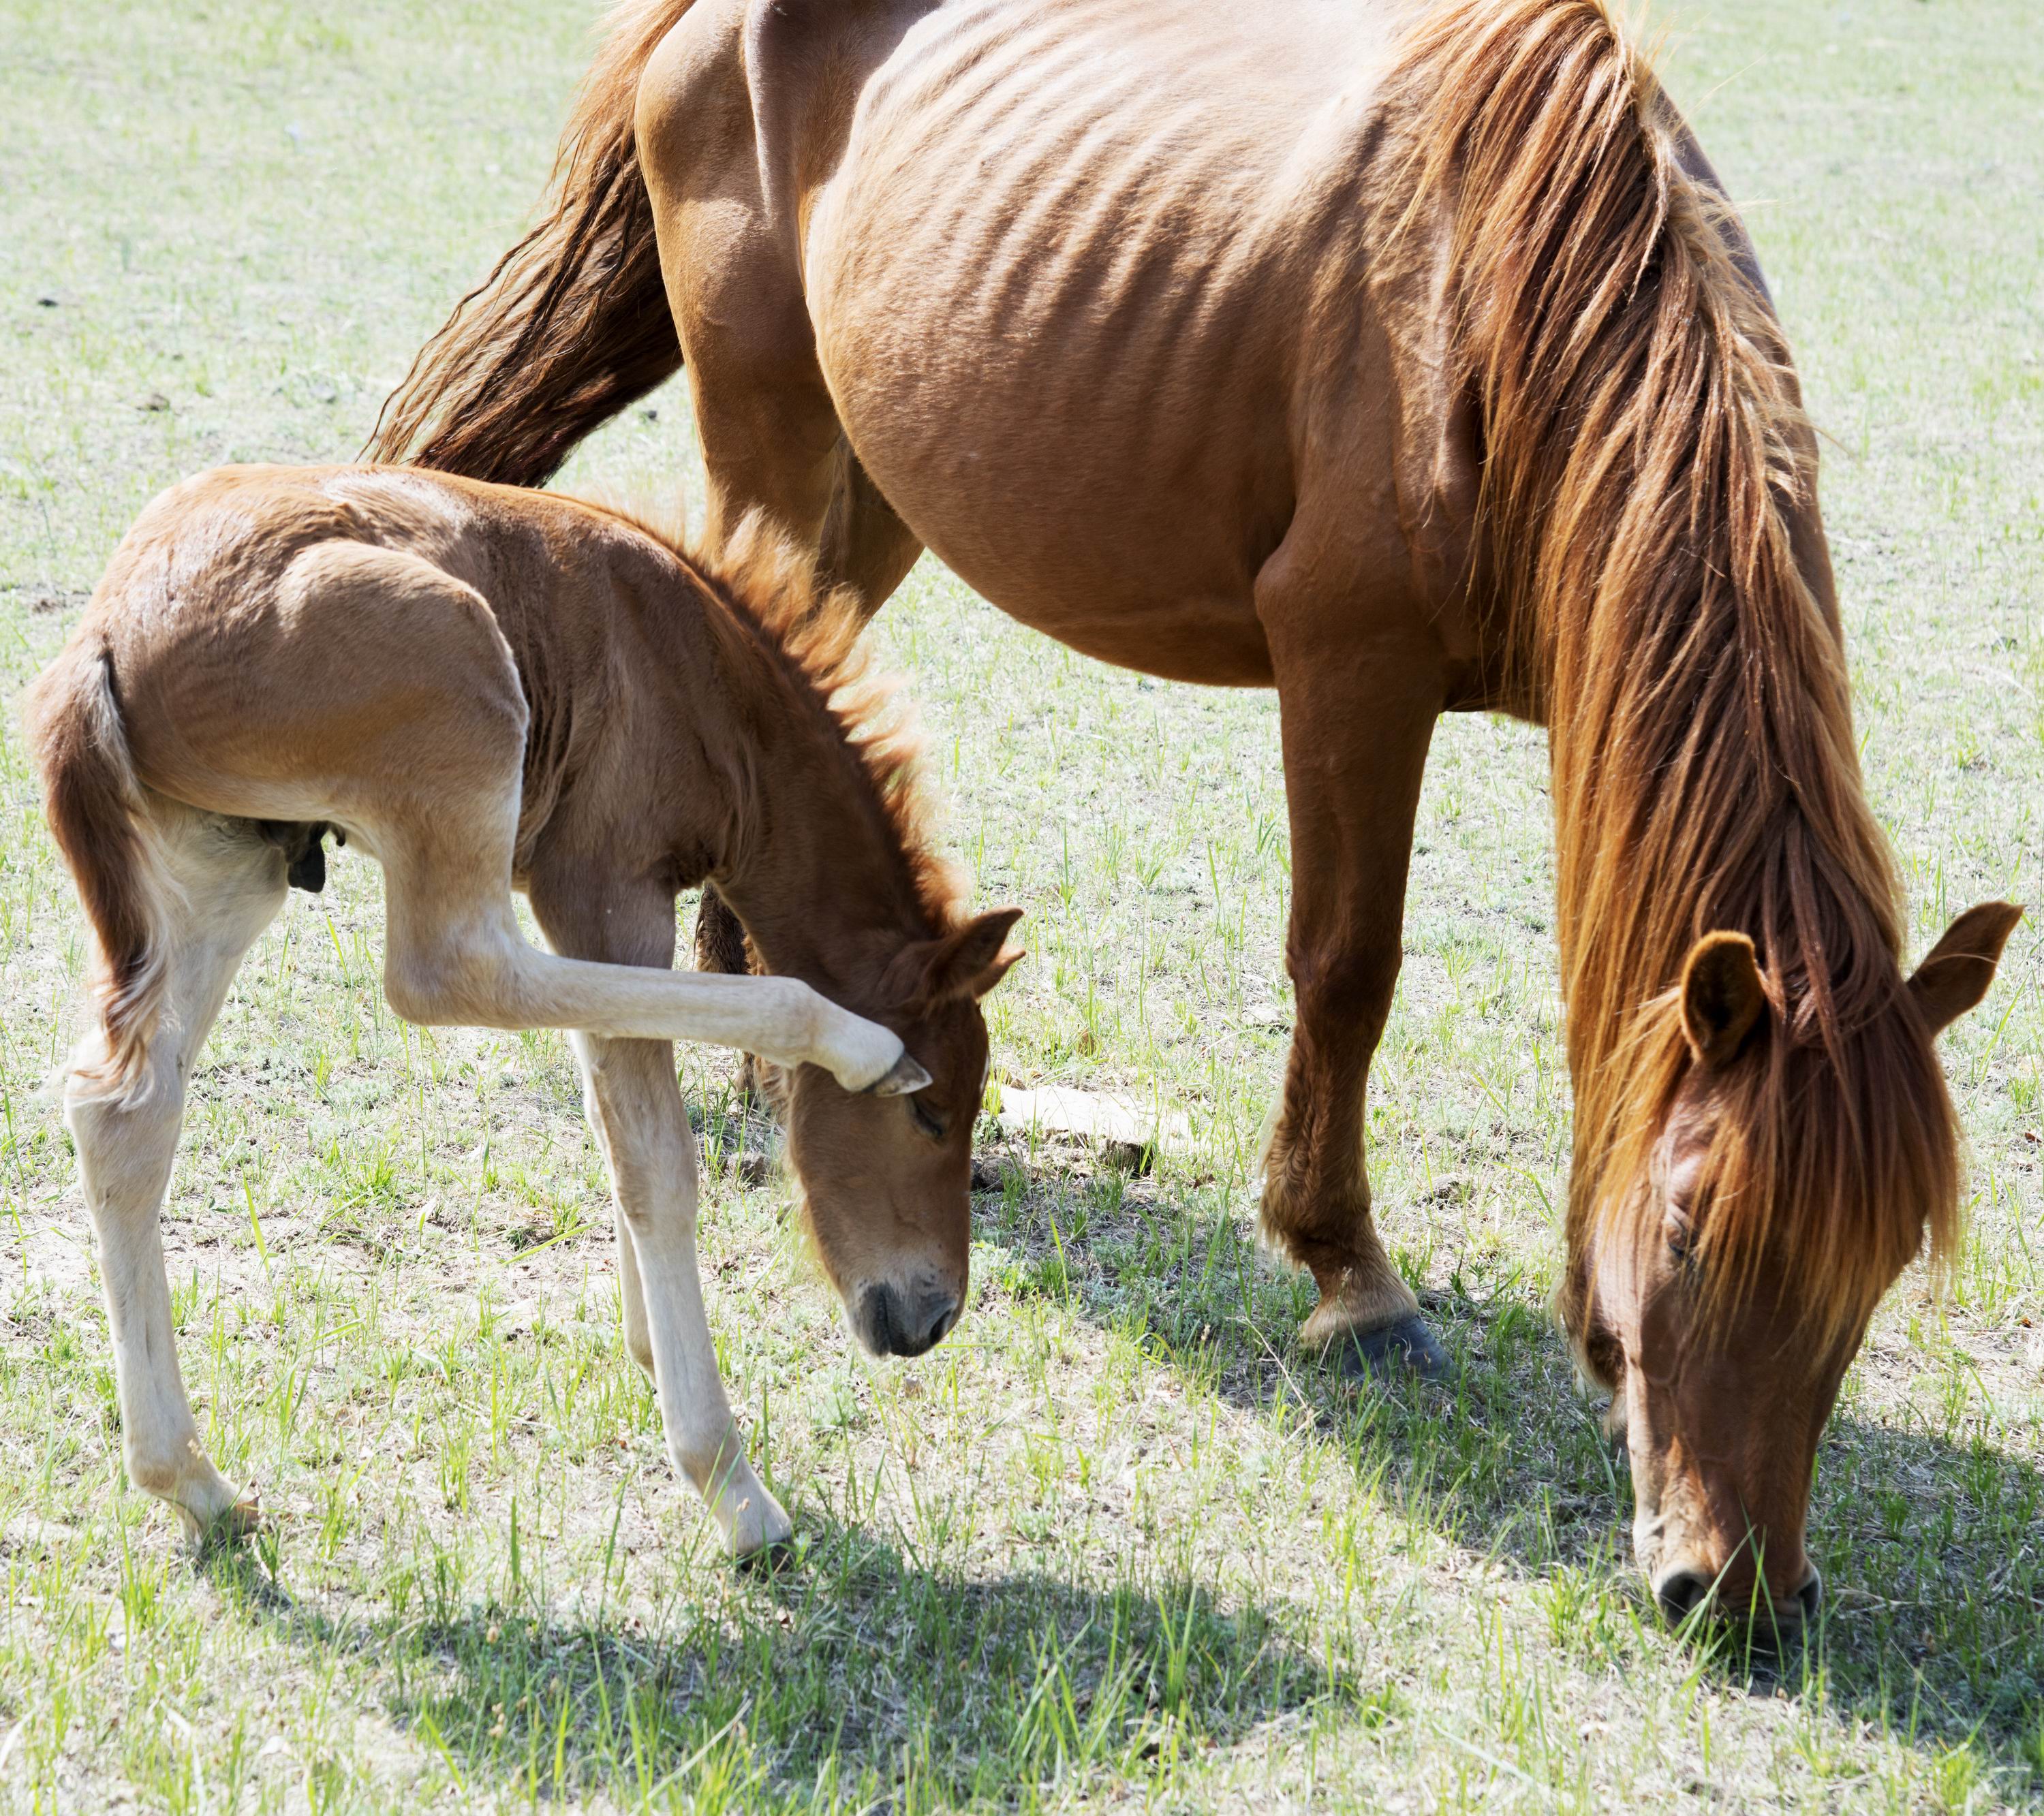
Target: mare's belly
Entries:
(1061, 282)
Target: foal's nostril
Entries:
(1680, 1593)
(935, 1313)
(892, 1327)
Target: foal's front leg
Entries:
(635, 1111)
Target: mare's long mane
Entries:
(1646, 462)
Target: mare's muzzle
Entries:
(1682, 1590)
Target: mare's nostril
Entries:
(1811, 1595)
(1680, 1593)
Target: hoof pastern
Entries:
(760, 1526)
(242, 1519)
(1393, 1352)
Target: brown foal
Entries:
(1406, 357)
(488, 690)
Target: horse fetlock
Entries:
(747, 1515)
(750, 1518)
(183, 1474)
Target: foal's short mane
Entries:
(1646, 461)
(767, 588)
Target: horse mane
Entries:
(761, 585)
(1646, 467)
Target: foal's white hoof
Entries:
(754, 1523)
(901, 1078)
(238, 1520)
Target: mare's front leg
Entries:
(772, 444)
(636, 1112)
(1358, 699)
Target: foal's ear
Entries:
(1956, 972)
(1722, 997)
(970, 962)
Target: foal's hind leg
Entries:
(230, 883)
(1357, 704)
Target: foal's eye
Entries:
(926, 1120)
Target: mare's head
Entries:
(1770, 1192)
(888, 1180)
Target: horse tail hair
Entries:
(94, 805)
(573, 323)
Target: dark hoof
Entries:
(1393, 1352)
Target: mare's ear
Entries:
(1956, 972)
(1722, 996)
(969, 962)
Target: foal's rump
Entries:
(226, 669)
(349, 681)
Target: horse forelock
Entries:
(1646, 461)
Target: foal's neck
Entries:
(810, 856)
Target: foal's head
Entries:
(1748, 1230)
(888, 1180)
(847, 893)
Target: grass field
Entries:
(1116, 1544)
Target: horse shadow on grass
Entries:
(847, 1670)
(1934, 1626)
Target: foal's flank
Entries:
(488, 690)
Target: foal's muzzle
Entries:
(893, 1322)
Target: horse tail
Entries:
(94, 803)
(573, 323)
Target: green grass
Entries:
(1116, 1544)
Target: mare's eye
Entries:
(927, 1120)
(1681, 1245)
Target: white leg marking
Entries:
(635, 1111)
(231, 887)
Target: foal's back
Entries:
(257, 618)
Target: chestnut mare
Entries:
(1406, 359)
(489, 690)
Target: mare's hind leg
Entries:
(1355, 732)
(771, 440)
(230, 883)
